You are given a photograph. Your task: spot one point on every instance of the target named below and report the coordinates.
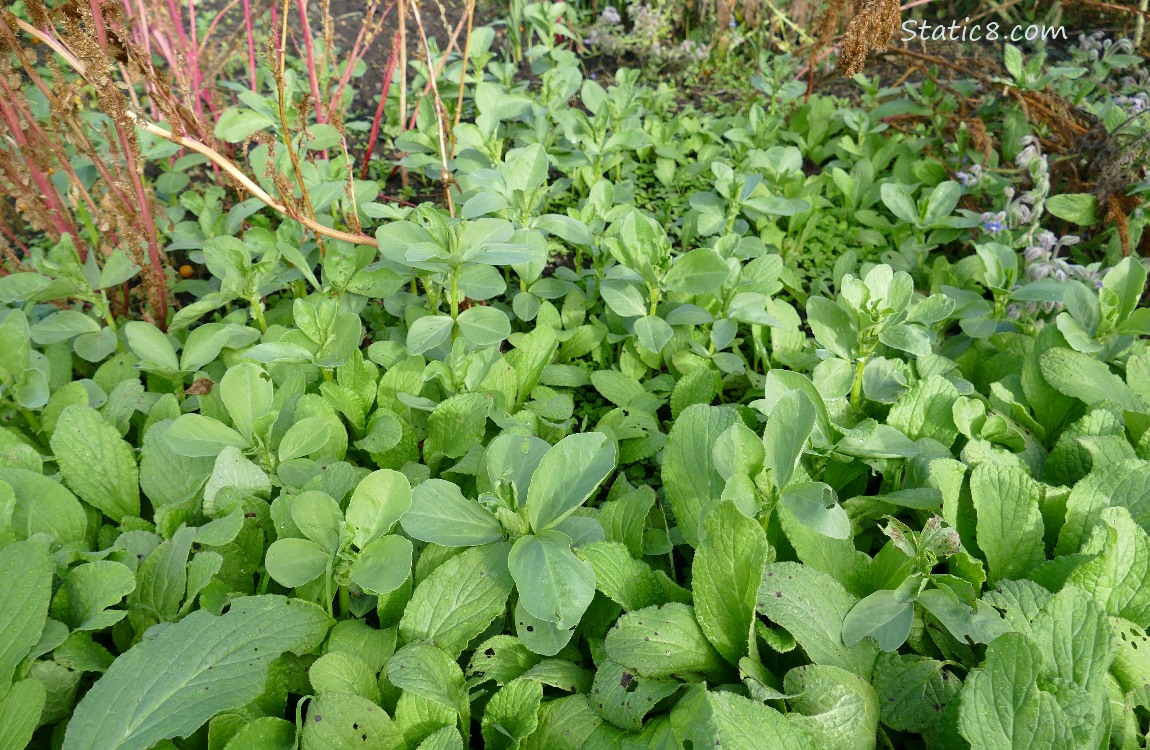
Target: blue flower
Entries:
(992, 226)
(732, 24)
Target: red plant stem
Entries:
(310, 56)
(51, 196)
(79, 135)
(52, 144)
(193, 54)
(14, 238)
(375, 123)
(358, 50)
(251, 44)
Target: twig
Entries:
(463, 73)
(286, 132)
(212, 155)
(445, 173)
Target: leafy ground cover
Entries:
(802, 423)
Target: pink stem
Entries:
(387, 76)
(194, 54)
(251, 43)
(358, 50)
(311, 71)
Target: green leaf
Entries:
(25, 587)
(169, 685)
(445, 738)
(813, 505)
(484, 326)
(344, 672)
(428, 332)
(725, 576)
(907, 338)
(897, 198)
(832, 327)
(97, 464)
(628, 582)
(1078, 208)
(431, 673)
(926, 410)
(456, 426)
(1002, 706)
(913, 691)
(318, 516)
(1118, 575)
(653, 332)
(1076, 638)
(812, 606)
(791, 421)
(554, 585)
(625, 698)
(540, 636)
(512, 715)
(885, 615)
(304, 438)
(194, 436)
(294, 562)
(572, 470)
(699, 271)
(378, 502)
(341, 721)
(691, 482)
(459, 599)
(662, 642)
(383, 565)
(441, 514)
(239, 123)
(1086, 379)
(1009, 527)
(44, 506)
(724, 719)
(836, 708)
(152, 347)
(1126, 484)
(20, 711)
(63, 325)
(246, 391)
(1013, 61)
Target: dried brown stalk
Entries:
(871, 28)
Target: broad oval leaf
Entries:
(554, 585)
(441, 514)
(572, 470)
(96, 462)
(169, 685)
(294, 562)
(378, 502)
(194, 435)
(383, 565)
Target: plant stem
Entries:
(344, 602)
(463, 72)
(283, 123)
(856, 389)
(454, 295)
